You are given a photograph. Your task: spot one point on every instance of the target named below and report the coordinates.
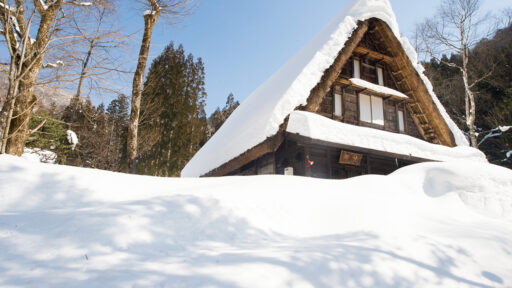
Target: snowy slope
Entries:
(433, 224)
(260, 115)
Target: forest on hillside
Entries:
(173, 123)
(494, 93)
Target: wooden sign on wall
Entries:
(350, 158)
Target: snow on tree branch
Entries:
(72, 138)
(495, 133)
(53, 65)
(2, 5)
(77, 3)
(43, 4)
(154, 5)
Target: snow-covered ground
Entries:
(433, 224)
(39, 155)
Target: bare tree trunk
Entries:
(470, 110)
(26, 72)
(149, 22)
(9, 105)
(453, 31)
(83, 74)
(25, 102)
(470, 97)
(11, 101)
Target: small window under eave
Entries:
(357, 68)
(380, 76)
(401, 121)
(338, 108)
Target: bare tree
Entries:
(455, 29)
(171, 9)
(27, 56)
(93, 60)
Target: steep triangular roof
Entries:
(265, 110)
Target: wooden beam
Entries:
(374, 55)
(331, 74)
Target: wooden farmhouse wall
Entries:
(350, 102)
(371, 83)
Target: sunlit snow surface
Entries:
(434, 224)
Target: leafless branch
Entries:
(38, 127)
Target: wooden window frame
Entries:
(340, 103)
(380, 75)
(371, 109)
(398, 120)
(401, 107)
(358, 61)
(333, 95)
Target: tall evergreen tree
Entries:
(172, 113)
(81, 119)
(220, 116)
(48, 134)
(117, 117)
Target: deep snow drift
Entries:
(434, 224)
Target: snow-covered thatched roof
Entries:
(263, 111)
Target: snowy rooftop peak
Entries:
(365, 9)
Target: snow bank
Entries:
(321, 128)
(487, 191)
(425, 225)
(264, 110)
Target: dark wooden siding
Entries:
(350, 99)
(295, 153)
(410, 127)
(326, 107)
(351, 105)
(265, 165)
(390, 116)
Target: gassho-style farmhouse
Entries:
(354, 101)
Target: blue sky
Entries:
(243, 42)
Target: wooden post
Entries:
(329, 163)
(397, 125)
(274, 162)
(368, 168)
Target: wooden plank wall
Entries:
(294, 154)
(350, 100)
